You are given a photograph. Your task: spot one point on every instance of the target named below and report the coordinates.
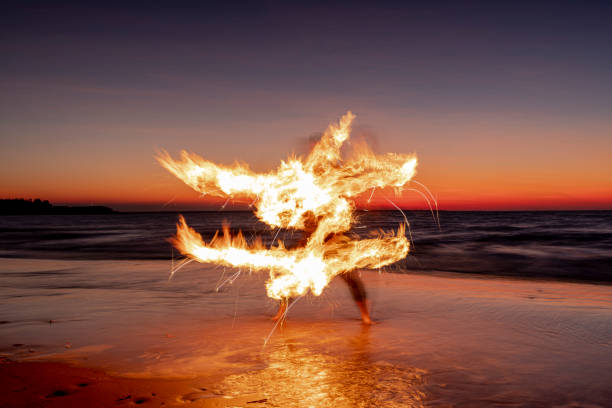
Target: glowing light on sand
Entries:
(318, 190)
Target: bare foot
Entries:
(366, 320)
(365, 314)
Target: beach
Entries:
(440, 339)
(281, 204)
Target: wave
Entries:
(559, 245)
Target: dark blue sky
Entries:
(548, 55)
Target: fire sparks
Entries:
(315, 194)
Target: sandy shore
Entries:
(118, 333)
(63, 385)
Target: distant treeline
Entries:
(19, 206)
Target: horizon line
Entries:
(156, 207)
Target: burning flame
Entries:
(314, 194)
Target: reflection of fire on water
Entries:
(299, 377)
(321, 188)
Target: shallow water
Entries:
(440, 340)
(572, 245)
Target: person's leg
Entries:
(282, 308)
(359, 294)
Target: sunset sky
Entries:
(507, 105)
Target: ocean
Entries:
(94, 291)
(560, 245)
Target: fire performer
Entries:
(315, 194)
(351, 278)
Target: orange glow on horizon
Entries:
(486, 165)
(469, 198)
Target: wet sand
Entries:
(62, 385)
(118, 333)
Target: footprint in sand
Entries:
(195, 396)
(141, 400)
(208, 400)
(135, 400)
(58, 393)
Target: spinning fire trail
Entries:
(320, 189)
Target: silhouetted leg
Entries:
(359, 294)
(282, 308)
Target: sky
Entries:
(508, 105)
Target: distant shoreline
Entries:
(22, 206)
(37, 206)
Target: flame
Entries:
(314, 194)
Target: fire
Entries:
(314, 193)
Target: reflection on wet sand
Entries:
(299, 376)
(476, 342)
